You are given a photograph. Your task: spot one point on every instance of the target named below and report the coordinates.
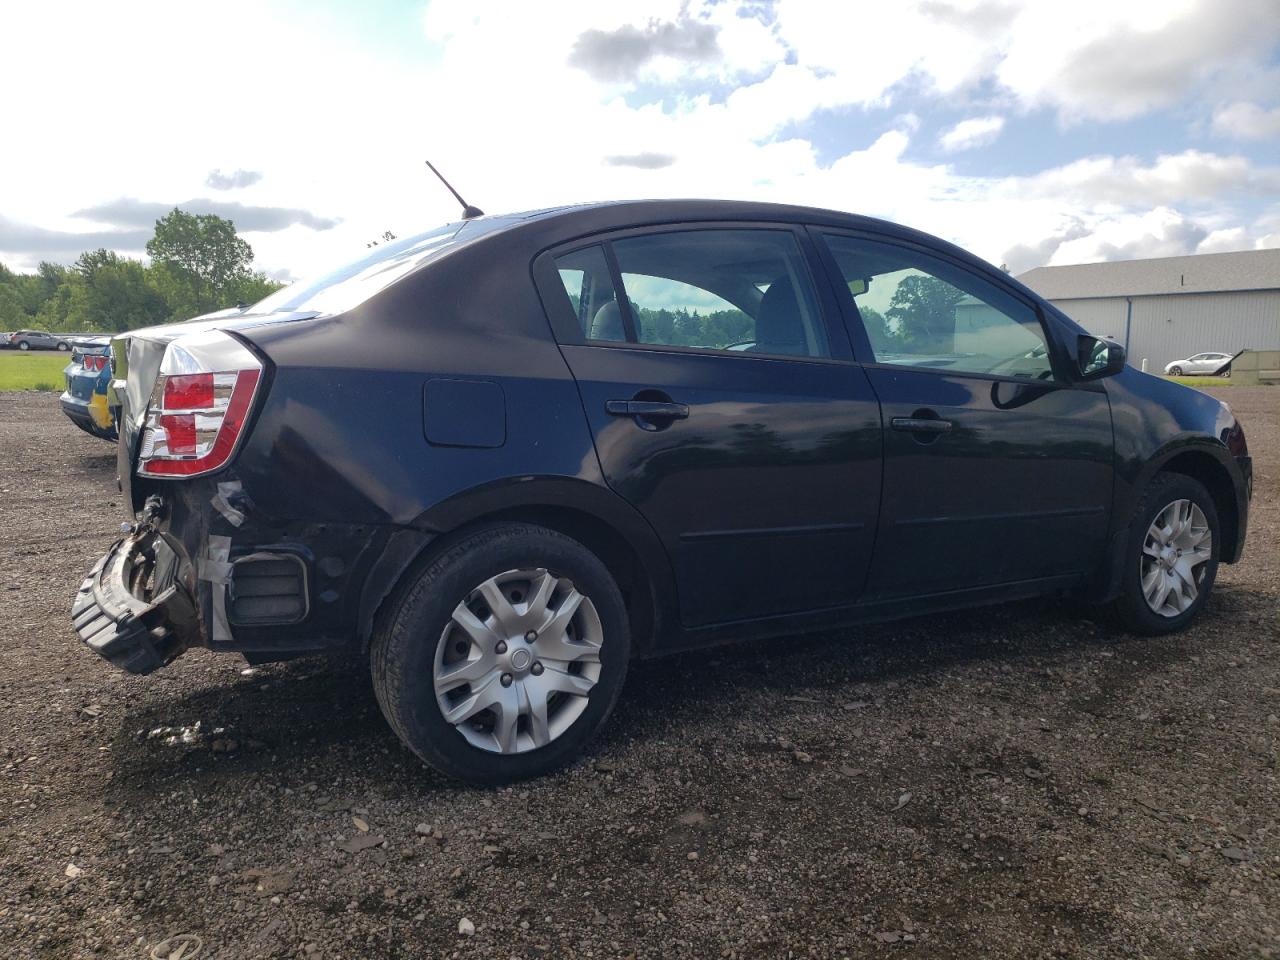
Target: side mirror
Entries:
(1098, 358)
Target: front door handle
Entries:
(921, 424)
(648, 409)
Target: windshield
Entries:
(353, 283)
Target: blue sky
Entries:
(1029, 132)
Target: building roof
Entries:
(1200, 273)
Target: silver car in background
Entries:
(1202, 364)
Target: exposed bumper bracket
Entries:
(137, 633)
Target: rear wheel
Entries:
(23, 345)
(63, 348)
(1171, 560)
(501, 658)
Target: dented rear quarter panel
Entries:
(337, 467)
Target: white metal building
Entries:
(1172, 307)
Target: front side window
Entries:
(727, 290)
(925, 312)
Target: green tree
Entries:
(199, 260)
(251, 289)
(114, 294)
(30, 288)
(49, 277)
(883, 340)
(12, 314)
(199, 264)
(55, 313)
(923, 311)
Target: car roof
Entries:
(558, 224)
(621, 213)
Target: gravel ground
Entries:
(1018, 782)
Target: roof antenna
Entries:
(468, 212)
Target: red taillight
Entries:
(95, 362)
(193, 391)
(199, 406)
(179, 433)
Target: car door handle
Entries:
(650, 409)
(921, 424)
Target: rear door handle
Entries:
(921, 424)
(652, 409)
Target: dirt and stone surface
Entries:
(1017, 782)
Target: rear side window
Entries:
(921, 311)
(587, 281)
(725, 290)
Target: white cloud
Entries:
(1106, 60)
(340, 131)
(1247, 121)
(1225, 241)
(1188, 177)
(971, 133)
(1162, 232)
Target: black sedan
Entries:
(506, 456)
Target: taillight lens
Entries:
(199, 406)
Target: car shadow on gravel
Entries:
(320, 713)
(98, 462)
(840, 663)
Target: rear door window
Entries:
(737, 291)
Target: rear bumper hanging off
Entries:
(134, 609)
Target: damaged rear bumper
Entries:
(134, 609)
(92, 416)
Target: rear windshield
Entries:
(353, 283)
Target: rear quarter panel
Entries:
(341, 436)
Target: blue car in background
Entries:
(88, 375)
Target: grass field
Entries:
(1202, 381)
(32, 371)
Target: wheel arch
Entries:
(586, 512)
(1202, 460)
(1199, 464)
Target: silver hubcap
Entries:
(1174, 553)
(518, 660)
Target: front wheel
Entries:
(1171, 559)
(504, 655)
(63, 348)
(1175, 371)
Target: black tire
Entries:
(1131, 606)
(1175, 371)
(412, 628)
(23, 345)
(63, 348)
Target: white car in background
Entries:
(1200, 364)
